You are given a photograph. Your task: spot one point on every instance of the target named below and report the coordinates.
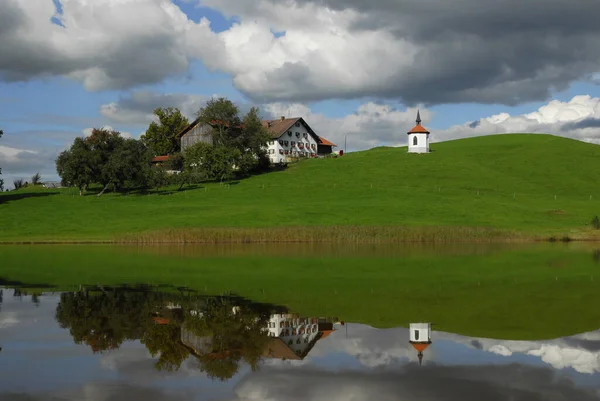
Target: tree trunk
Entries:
(103, 190)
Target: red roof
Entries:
(420, 346)
(323, 141)
(418, 129)
(160, 158)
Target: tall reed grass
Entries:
(338, 234)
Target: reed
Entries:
(323, 234)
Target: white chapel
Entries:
(418, 138)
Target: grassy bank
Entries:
(490, 290)
(487, 188)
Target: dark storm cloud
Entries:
(506, 52)
(428, 383)
(587, 123)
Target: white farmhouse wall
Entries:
(282, 150)
(420, 332)
(422, 145)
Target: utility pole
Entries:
(345, 136)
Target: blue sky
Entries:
(349, 68)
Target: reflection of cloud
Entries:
(580, 352)
(8, 319)
(98, 391)
(428, 383)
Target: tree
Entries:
(222, 115)
(106, 158)
(252, 142)
(161, 137)
(211, 162)
(128, 165)
(36, 179)
(1, 181)
(74, 166)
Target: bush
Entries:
(18, 183)
(596, 223)
(36, 179)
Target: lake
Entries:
(300, 322)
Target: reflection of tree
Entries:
(105, 320)
(221, 332)
(165, 340)
(234, 333)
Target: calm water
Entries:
(163, 343)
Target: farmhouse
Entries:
(293, 138)
(290, 138)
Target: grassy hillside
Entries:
(526, 184)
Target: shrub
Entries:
(18, 183)
(596, 223)
(36, 179)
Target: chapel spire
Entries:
(418, 117)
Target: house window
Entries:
(289, 133)
(271, 142)
(298, 134)
(291, 342)
(293, 143)
(417, 335)
(286, 143)
(415, 141)
(297, 124)
(272, 151)
(306, 340)
(298, 341)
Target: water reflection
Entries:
(221, 332)
(103, 343)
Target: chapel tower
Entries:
(418, 138)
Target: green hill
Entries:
(516, 184)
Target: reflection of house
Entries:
(420, 338)
(290, 137)
(290, 337)
(299, 335)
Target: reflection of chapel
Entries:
(420, 338)
(418, 138)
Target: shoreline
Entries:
(320, 234)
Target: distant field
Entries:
(502, 186)
(489, 290)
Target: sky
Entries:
(357, 71)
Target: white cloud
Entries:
(102, 43)
(579, 118)
(137, 108)
(379, 124)
(88, 131)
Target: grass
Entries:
(488, 290)
(518, 186)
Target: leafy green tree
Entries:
(157, 177)
(223, 115)
(1, 181)
(128, 165)
(211, 162)
(106, 158)
(161, 137)
(74, 166)
(252, 142)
